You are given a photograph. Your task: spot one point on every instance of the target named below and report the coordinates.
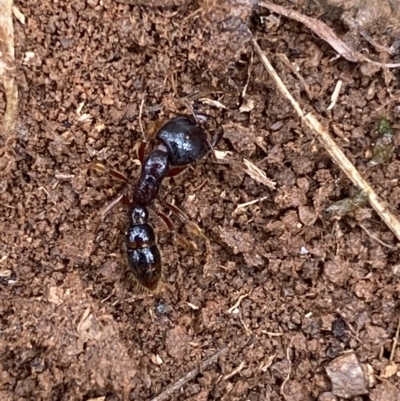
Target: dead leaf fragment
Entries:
(247, 106)
(390, 370)
(55, 295)
(177, 342)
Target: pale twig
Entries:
(167, 392)
(140, 119)
(248, 76)
(318, 27)
(7, 66)
(238, 302)
(295, 71)
(325, 33)
(335, 94)
(289, 372)
(332, 148)
(395, 342)
(376, 238)
(243, 205)
(234, 371)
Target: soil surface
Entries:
(285, 287)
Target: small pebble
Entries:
(347, 376)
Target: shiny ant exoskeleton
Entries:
(178, 143)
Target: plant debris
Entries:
(382, 149)
(345, 206)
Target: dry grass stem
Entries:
(238, 302)
(395, 342)
(7, 67)
(248, 76)
(243, 205)
(211, 102)
(295, 71)
(325, 33)
(167, 392)
(335, 94)
(333, 149)
(376, 238)
(234, 371)
(18, 15)
(140, 119)
(270, 359)
(288, 374)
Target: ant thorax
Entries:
(154, 170)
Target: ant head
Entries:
(139, 215)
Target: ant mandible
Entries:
(179, 142)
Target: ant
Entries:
(178, 143)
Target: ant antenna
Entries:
(190, 108)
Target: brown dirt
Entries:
(75, 327)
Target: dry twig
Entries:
(167, 392)
(333, 149)
(232, 308)
(325, 33)
(376, 238)
(289, 372)
(7, 66)
(395, 342)
(295, 71)
(335, 94)
(234, 371)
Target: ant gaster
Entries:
(179, 142)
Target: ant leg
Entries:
(141, 152)
(174, 171)
(168, 222)
(123, 197)
(106, 210)
(102, 168)
(217, 137)
(184, 218)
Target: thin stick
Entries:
(234, 371)
(324, 32)
(242, 205)
(334, 151)
(318, 27)
(395, 342)
(289, 372)
(140, 119)
(298, 75)
(248, 76)
(167, 392)
(376, 238)
(7, 67)
(232, 308)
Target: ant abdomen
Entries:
(146, 266)
(184, 139)
(144, 257)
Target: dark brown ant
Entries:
(178, 143)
